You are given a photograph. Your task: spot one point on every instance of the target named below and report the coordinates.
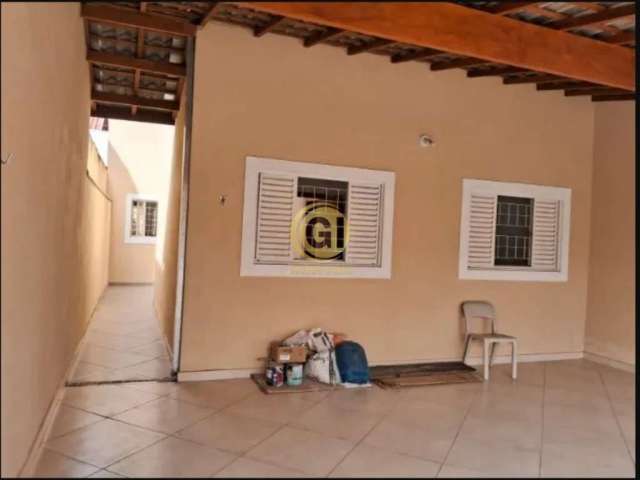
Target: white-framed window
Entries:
(312, 220)
(514, 231)
(141, 219)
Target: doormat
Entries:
(436, 378)
(420, 374)
(308, 385)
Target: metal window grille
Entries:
(328, 192)
(513, 231)
(144, 218)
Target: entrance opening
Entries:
(130, 167)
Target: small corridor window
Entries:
(141, 219)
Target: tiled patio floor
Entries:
(570, 418)
(123, 341)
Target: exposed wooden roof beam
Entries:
(209, 15)
(613, 98)
(149, 116)
(594, 7)
(270, 25)
(469, 32)
(131, 18)
(595, 18)
(495, 72)
(508, 7)
(136, 63)
(377, 43)
(328, 34)
(457, 63)
(592, 91)
(105, 97)
(531, 79)
(418, 55)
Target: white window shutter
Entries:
(275, 212)
(364, 219)
(481, 234)
(546, 222)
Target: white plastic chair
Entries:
(484, 311)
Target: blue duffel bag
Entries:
(352, 363)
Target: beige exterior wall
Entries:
(611, 309)
(164, 297)
(51, 219)
(139, 162)
(317, 105)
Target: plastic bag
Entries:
(323, 367)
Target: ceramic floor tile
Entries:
(449, 471)
(173, 458)
(232, 433)
(372, 400)
(157, 368)
(104, 442)
(579, 459)
(88, 371)
(157, 388)
(396, 437)
(337, 422)
(459, 395)
(105, 474)
(54, 465)
(106, 400)
(369, 462)
(106, 357)
(215, 394)
(164, 415)
(114, 341)
(155, 349)
(295, 449)
(278, 408)
(248, 468)
(494, 457)
(69, 419)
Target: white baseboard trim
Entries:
(610, 362)
(37, 448)
(205, 375)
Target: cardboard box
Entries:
(283, 354)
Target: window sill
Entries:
(512, 275)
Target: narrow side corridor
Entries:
(123, 341)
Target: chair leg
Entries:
(466, 349)
(514, 360)
(485, 354)
(493, 349)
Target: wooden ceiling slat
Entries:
(270, 25)
(593, 91)
(377, 43)
(105, 97)
(462, 30)
(328, 34)
(136, 63)
(613, 98)
(136, 19)
(595, 18)
(567, 85)
(457, 63)
(531, 79)
(108, 111)
(495, 72)
(417, 55)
